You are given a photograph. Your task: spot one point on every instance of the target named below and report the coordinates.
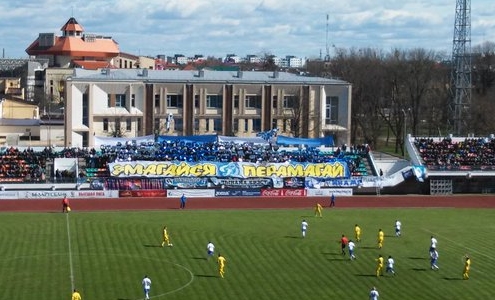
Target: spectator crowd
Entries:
(447, 154)
(29, 165)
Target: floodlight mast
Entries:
(461, 77)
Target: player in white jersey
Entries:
(210, 250)
(390, 265)
(304, 227)
(146, 286)
(398, 225)
(351, 247)
(374, 294)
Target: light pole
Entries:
(405, 130)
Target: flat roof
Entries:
(195, 76)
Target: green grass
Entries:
(110, 252)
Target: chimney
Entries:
(275, 74)
(239, 74)
(201, 73)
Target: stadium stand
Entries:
(31, 165)
(449, 154)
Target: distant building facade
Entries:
(73, 45)
(131, 103)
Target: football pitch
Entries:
(105, 255)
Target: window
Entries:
(236, 125)
(178, 123)
(157, 124)
(256, 125)
(85, 139)
(139, 125)
(214, 101)
(196, 125)
(105, 124)
(120, 100)
(332, 110)
(157, 101)
(289, 102)
(133, 100)
(117, 125)
(274, 101)
(236, 101)
(217, 125)
(128, 124)
(109, 100)
(85, 109)
(174, 100)
(196, 101)
(253, 101)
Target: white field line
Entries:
(70, 253)
(460, 245)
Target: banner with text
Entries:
(316, 183)
(237, 193)
(328, 192)
(68, 194)
(336, 169)
(205, 193)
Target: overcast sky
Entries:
(218, 27)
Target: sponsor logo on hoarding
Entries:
(254, 193)
(271, 193)
(294, 192)
(283, 192)
(228, 193)
(142, 193)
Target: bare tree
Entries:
(115, 130)
(292, 107)
(364, 69)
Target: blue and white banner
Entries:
(237, 193)
(336, 169)
(186, 182)
(314, 182)
(246, 183)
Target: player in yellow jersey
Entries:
(166, 239)
(467, 266)
(76, 295)
(379, 266)
(381, 236)
(221, 264)
(357, 233)
(318, 209)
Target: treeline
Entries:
(410, 91)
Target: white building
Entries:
(132, 102)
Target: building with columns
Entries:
(139, 102)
